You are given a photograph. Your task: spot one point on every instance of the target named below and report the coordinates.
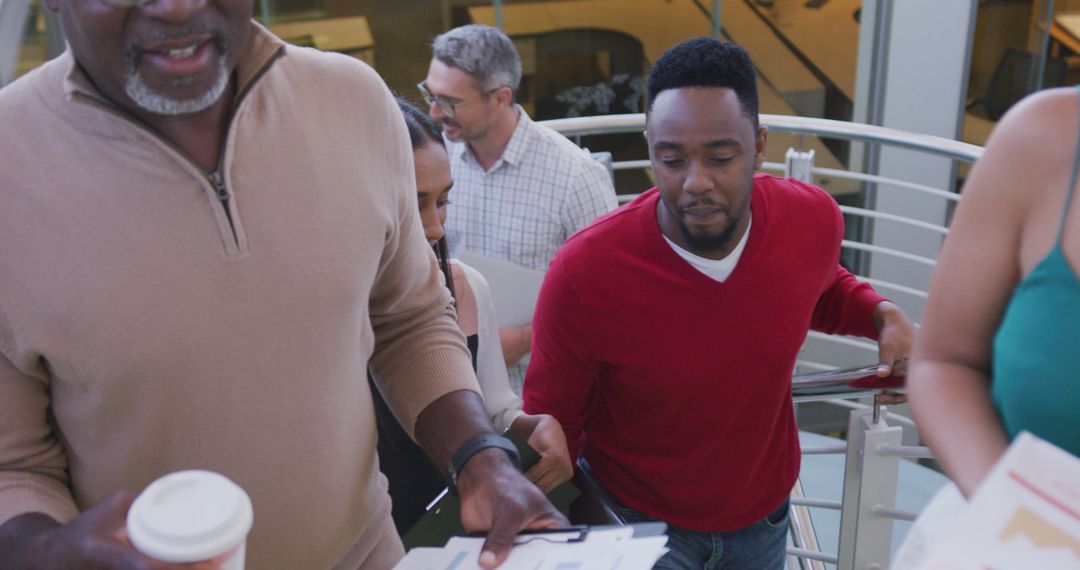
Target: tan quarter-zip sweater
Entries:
(144, 329)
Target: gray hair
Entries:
(483, 52)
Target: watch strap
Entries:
(473, 446)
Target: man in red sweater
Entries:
(666, 332)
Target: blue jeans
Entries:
(760, 546)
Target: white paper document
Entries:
(1024, 516)
(601, 550)
(514, 288)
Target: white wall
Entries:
(916, 83)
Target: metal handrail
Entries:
(906, 451)
(898, 514)
(863, 212)
(824, 449)
(631, 123)
(831, 384)
(817, 503)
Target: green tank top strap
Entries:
(1072, 184)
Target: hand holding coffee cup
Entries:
(192, 517)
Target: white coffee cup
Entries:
(192, 516)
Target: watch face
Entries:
(453, 479)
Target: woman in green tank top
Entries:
(1003, 317)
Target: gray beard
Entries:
(159, 104)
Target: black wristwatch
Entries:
(474, 445)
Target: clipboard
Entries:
(581, 533)
(580, 548)
(443, 517)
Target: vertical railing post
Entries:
(716, 29)
(869, 480)
(799, 165)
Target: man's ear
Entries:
(761, 143)
(503, 96)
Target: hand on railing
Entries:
(848, 381)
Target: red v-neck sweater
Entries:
(681, 385)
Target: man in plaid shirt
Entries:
(520, 189)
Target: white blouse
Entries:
(477, 310)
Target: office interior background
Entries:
(948, 68)
(815, 58)
(589, 57)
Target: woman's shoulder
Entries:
(1033, 146)
(1041, 124)
(1017, 188)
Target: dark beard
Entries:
(707, 243)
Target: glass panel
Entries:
(590, 57)
(391, 35)
(1020, 46)
(35, 45)
(806, 53)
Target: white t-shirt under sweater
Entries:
(717, 269)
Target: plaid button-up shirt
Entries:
(542, 190)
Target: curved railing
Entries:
(635, 123)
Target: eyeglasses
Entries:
(448, 106)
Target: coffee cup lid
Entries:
(189, 516)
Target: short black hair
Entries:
(706, 62)
(422, 128)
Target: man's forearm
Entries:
(450, 421)
(495, 497)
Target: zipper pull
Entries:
(218, 182)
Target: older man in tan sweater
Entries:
(206, 237)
